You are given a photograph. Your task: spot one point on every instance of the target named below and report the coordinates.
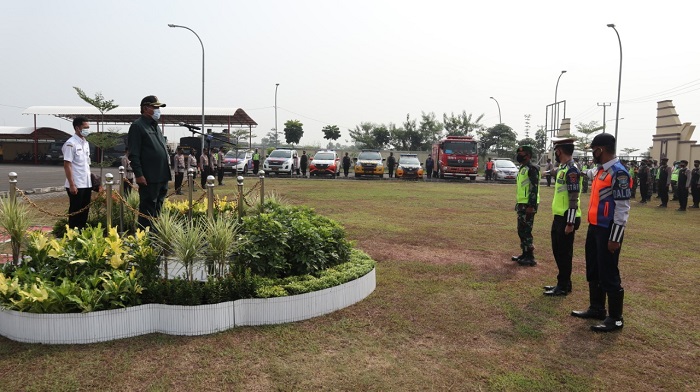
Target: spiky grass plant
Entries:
(164, 231)
(188, 245)
(222, 235)
(15, 219)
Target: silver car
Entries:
(504, 170)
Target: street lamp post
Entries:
(500, 121)
(200, 42)
(276, 136)
(556, 89)
(619, 81)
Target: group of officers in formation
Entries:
(613, 185)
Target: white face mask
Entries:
(156, 114)
(85, 132)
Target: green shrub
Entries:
(288, 241)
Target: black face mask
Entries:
(520, 158)
(697, 165)
(557, 157)
(596, 158)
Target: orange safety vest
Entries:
(601, 207)
(489, 165)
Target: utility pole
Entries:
(604, 105)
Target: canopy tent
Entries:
(31, 134)
(169, 115)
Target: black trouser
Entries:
(601, 265)
(563, 248)
(683, 197)
(644, 190)
(346, 170)
(663, 192)
(205, 174)
(391, 171)
(151, 200)
(488, 174)
(76, 203)
(584, 184)
(696, 195)
(178, 181)
(429, 173)
(674, 189)
(549, 179)
(303, 171)
(220, 176)
(256, 167)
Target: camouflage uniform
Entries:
(528, 196)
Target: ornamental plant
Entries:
(82, 271)
(15, 221)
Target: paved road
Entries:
(30, 177)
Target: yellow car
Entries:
(369, 163)
(409, 166)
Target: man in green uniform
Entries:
(674, 180)
(527, 200)
(149, 159)
(567, 214)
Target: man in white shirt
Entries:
(76, 164)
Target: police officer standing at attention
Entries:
(644, 178)
(567, 214)
(663, 180)
(683, 184)
(179, 170)
(695, 184)
(256, 162)
(390, 163)
(608, 211)
(527, 199)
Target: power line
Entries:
(672, 90)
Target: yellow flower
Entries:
(112, 233)
(70, 233)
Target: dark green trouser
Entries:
(525, 224)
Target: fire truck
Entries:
(456, 156)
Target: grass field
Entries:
(450, 312)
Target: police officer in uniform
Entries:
(674, 180)
(179, 170)
(527, 200)
(608, 211)
(256, 162)
(663, 180)
(644, 179)
(204, 167)
(695, 184)
(567, 214)
(683, 184)
(584, 184)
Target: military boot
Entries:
(528, 259)
(596, 309)
(518, 258)
(614, 320)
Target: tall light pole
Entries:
(200, 42)
(619, 82)
(276, 137)
(500, 121)
(556, 89)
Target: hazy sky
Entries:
(348, 62)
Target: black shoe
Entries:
(527, 261)
(546, 288)
(598, 314)
(517, 258)
(608, 325)
(556, 292)
(662, 205)
(694, 207)
(680, 209)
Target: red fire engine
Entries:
(456, 156)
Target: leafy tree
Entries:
(105, 140)
(293, 131)
(629, 151)
(499, 139)
(587, 130)
(381, 136)
(429, 128)
(462, 124)
(541, 140)
(331, 132)
(103, 105)
(527, 141)
(271, 138)
(398, 137)
(413, 139)
(362, 135)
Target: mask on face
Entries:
(697, 165)
(156, 114)
(85, 132)
(596, 158)
(557, 157)
(520, 158)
